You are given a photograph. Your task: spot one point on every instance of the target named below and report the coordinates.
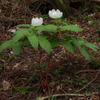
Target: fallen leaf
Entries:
(3, 60)
(5, 84)
(16, 65)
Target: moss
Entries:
(97, 39)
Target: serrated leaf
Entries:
(45, 44)
(92, 46)
(22, 25)
(22, 31)
(42, 37)
(47, 28)
(68, 46)
(16, 48)
(64, 22)
(85, 53)
(34, 42)
(16, 38)
(70, 28)
(76, 42)
(5, 45)
(54, 42)
(82, 50)
(81, 42)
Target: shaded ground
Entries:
(70, 78)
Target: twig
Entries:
(71, 94)
(28, 80)
(89, 82)
(85, 71)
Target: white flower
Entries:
(55, 13)
(37, 21)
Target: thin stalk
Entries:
(40, 73)
(45, 83)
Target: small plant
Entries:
(96, 5)
(56, 72)
(82, 10)
(86, 3)
(47, 37)
(81, 82)
(19, 89)
(85, 18)
(69, 81)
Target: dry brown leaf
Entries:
(5, 84)
(16, 65)
(26, 66)
(83, 37)
(3, 60)
(58, 87)
(94, 97)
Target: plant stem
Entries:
(40, 73)
(45, 82)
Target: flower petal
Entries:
(55, 13)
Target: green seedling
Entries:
(19, 89)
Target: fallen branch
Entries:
(67, 94)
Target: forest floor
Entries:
(69, 78)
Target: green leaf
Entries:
(82, 50)
(68, 46)
(92, 46)
(26, 42)
(5, 45)
(57, 21)
(42, 37)
(54, 42)
(16, 48)
(64, 22)
(48, 33)
(16, 38)
(23, 31)
(33, 33)
(34, 42)
(45, 44)
(70, 28)
(22, 25)
(81, 42)
(76, 42)
(68, 37)
(85, 53)
(47, 28)
(21, 89)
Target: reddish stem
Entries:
(45, 82)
